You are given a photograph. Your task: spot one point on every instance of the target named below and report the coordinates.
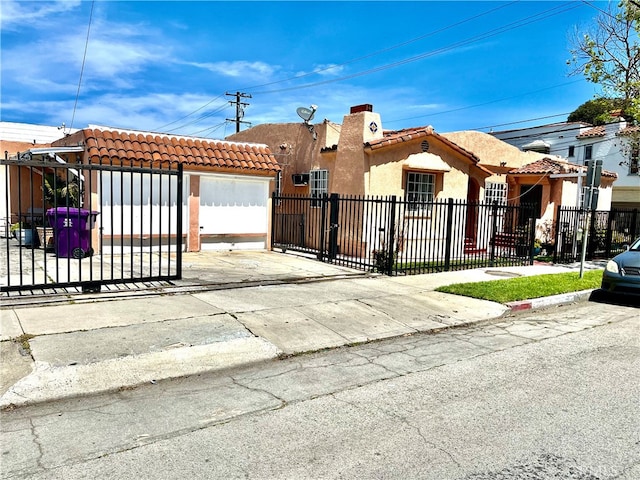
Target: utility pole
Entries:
(239, 108)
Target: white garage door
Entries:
(233, 212)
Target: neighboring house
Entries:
(545, 180)
(359, 158)
(18, 137)
(226, 184)
(580, 142)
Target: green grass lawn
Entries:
(524, 288)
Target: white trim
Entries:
(567, 175)
(55, 150)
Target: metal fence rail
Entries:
(78, 225)
(395, 236)
(609, 232)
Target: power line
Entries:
(357, 59)
(209, 130)
(522, 121)
(513, 25)
(484, 103)
(559, 130)
(384, 50)
(84, 59)
(189, 114)
(200, 118)
(517, 24)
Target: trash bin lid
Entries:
(70, 211)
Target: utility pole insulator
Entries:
(239, 108)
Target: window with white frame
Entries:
(278, 189)
(318, 184)
(588, 152)
(420, 190)
(495, 192)
(634, 160)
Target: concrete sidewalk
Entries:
(270, 305)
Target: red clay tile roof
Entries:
(407, 134)
(110, 144)
(629, 130)
(399, 136)
(598, 131)
(547, 166)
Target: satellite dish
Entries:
(305, 113)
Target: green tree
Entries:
(609, 54)
(597, 111)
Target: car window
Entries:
(635, 246)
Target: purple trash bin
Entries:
(72, 231)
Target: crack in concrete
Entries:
(38, 444)
(283, 402)
(402, 419)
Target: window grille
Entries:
(420, 190)
(495, 192)
(319, 184)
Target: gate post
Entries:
(448, 239)
(333, 225)
(494, 232)
(556, 235)
(592, 243)
(609, 234)
(273, 220)
(179, 201)
(532, 233)
(391, 234)
(323, 221)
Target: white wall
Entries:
(131, 204)
(234, 208)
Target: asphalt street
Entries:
(552, 393)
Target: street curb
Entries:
(549, 301)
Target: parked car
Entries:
(622, 273)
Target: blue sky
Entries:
(166, 66)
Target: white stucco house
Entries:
(580, 142)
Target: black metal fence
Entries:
(609, 233)
(394, 236)
(85, 226)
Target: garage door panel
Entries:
(233, 206)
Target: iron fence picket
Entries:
(87, 262)
(398, 237)
(609, 233)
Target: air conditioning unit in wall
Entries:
(300, 179)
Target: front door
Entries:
(532, 195)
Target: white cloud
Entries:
(16, 14)
(328, 70)
(237, 69)
(53, 62)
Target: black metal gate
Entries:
(394, 236)
(609, 232)
(87, 226)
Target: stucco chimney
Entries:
(361, 125)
